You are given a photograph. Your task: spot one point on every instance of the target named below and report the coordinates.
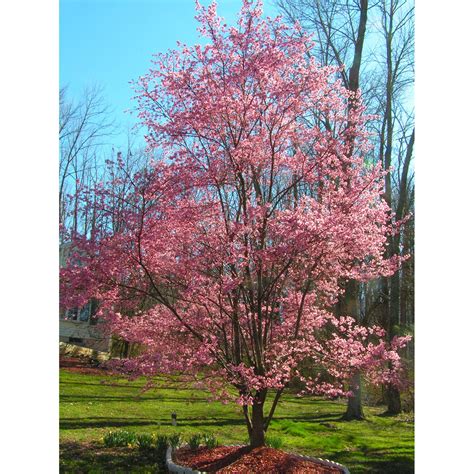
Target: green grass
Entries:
(91, 405)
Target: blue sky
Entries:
(110, 42)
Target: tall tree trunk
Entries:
(350, 306)
(394, 403)
(354, 72)
(354, 403)
(391, 286)
(402, 208)
(351, 298)
(395, 296)
(391, 393)
(403, 298)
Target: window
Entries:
(85, 312)
(78, 314)
(72, 314)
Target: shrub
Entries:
(195, 441)
(210, 441)
(274, 442)
(120, 438)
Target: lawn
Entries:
(92, 405)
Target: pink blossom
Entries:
(230, 248)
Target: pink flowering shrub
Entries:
(230, 247)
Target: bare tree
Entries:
(396, 20)
(88, 158)
(83, 127)
(340, 28)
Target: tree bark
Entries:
(394, 405)
(350, 306)
(391, 286)
(401, 210)
(354, 404)
(257, 431)
(354, 72)
(395, 294)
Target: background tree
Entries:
(83, 127)
(377, 37)
(87, 159)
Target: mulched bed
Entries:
(236, 460)
(82, 366)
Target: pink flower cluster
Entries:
(226, 253)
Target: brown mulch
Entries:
(82, 366)
(243, 460)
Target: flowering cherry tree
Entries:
(231, 247)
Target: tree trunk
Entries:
(392, 394)
(354, 403)
(395, 296)
(403, 297)
(257, 431)
(394, 405)
(351, 300)
(350, 306)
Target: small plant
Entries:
(195, 441)
(116, 439)
(162, 442)
(210, 441)
(174, 440)
(145, 442)
(274, 442)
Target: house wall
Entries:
(90, 335)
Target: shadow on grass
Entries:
(114, 381)
(391, 467)
(387, 414)
(94, 457)
(310, 417)
(376, 461)
(102, 422)
(99, 383)
(108, 422)
(386, 465)
(239, 421)
(130, 398)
